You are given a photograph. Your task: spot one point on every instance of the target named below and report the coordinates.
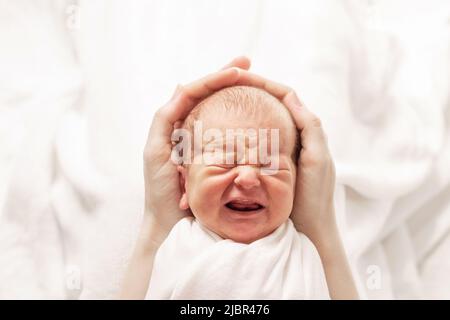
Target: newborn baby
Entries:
(239, 185)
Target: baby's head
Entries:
(245, 190)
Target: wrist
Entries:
(329, 243)
(319, 230)
(151, 231)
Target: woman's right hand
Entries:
(162, 189)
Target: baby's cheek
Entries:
(281, 193)
(280, 182)
(206, 195)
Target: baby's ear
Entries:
(184, 205)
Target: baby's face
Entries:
(239, 201)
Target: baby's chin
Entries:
(241, 229)
(244, 233)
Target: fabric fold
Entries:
(195, 263)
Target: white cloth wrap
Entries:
(195, 263)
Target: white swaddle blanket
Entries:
(195, 263)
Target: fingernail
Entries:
(237, 70)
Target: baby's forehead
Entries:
(249, 125)
(244, 108)
(258, 131)
(257, 115)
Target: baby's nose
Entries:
(248, 177)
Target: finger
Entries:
(311, 131)
(186, 97)
(241, 62)
(202, 88)
(274, 88)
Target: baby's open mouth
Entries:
(238, 205)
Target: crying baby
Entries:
(237, 155)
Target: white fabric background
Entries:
(80, 81)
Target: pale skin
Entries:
(313, 211)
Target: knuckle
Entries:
(316, 121)
(289, 92)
